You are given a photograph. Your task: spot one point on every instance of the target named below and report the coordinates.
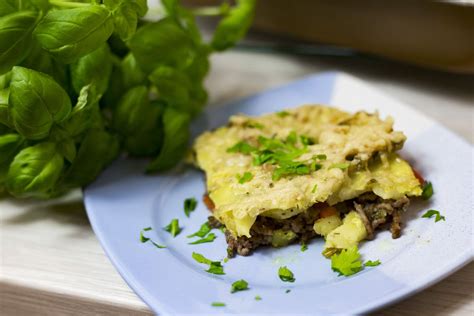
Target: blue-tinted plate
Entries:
(124, 200)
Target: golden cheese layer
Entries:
(363, 141)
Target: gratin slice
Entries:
(270, 177)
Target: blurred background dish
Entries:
(434, 34)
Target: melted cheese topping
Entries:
(342, 137)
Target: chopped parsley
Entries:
(242, 147)
(218, 304)
(215, 267)
(258, 298)
(240, 285)
(347, 262)
(251, 124)
(342, 166)
(208, 238)
(189, 206)
(306, 140)
(283, 113)
(285, 274)
(432, 213)
(304, 247)
(173, 227)
(203, 230)
(281, 153)
(246, 177)
(427, 191)
(287, 291)
(145, 239)
(157, 245)
(371, 263)
(226, 259)
(314, 188)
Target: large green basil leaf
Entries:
(234, 26)
(162, 43)
(125, 15)
(7, 7)
(15, 38)
(132, 75)
(175, 143)
(82, 115)
(173, 86)
(138, 121)
(35, 171)
(10, 145)
(40, 60)
(93, 68)
(36, 102)
(73, 33)
(97, 150)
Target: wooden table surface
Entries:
(52, 264)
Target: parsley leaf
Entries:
(246, 177)
(218, 304)
(145, 239)
(157, 245)
(305, 140)
(342, 166)
(427, 191)
(251, 124)
(173, 227)
(215, 267)
(208, 238)
(347, 262)
(239, 285)
(283, 113)
(431, 213)
(242, 147)
(371, 263)
(304, 247)
(189, 206)
(285, 274)
(314, 188)
(258, 298)
(287, 291)
(203, 230)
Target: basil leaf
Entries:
(125, 20)
(40, 60)
(173, 86)
(94, 68)
(162, 43)
(98, 149)
(82, 114)
(73, 33)
(35, 171)
(7, 7)
(10, 144)
(36, 102)
(138, 121)
(131, 73)
(176, 136)
(234, 26)
(15, 38)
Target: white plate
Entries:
(124, 200)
